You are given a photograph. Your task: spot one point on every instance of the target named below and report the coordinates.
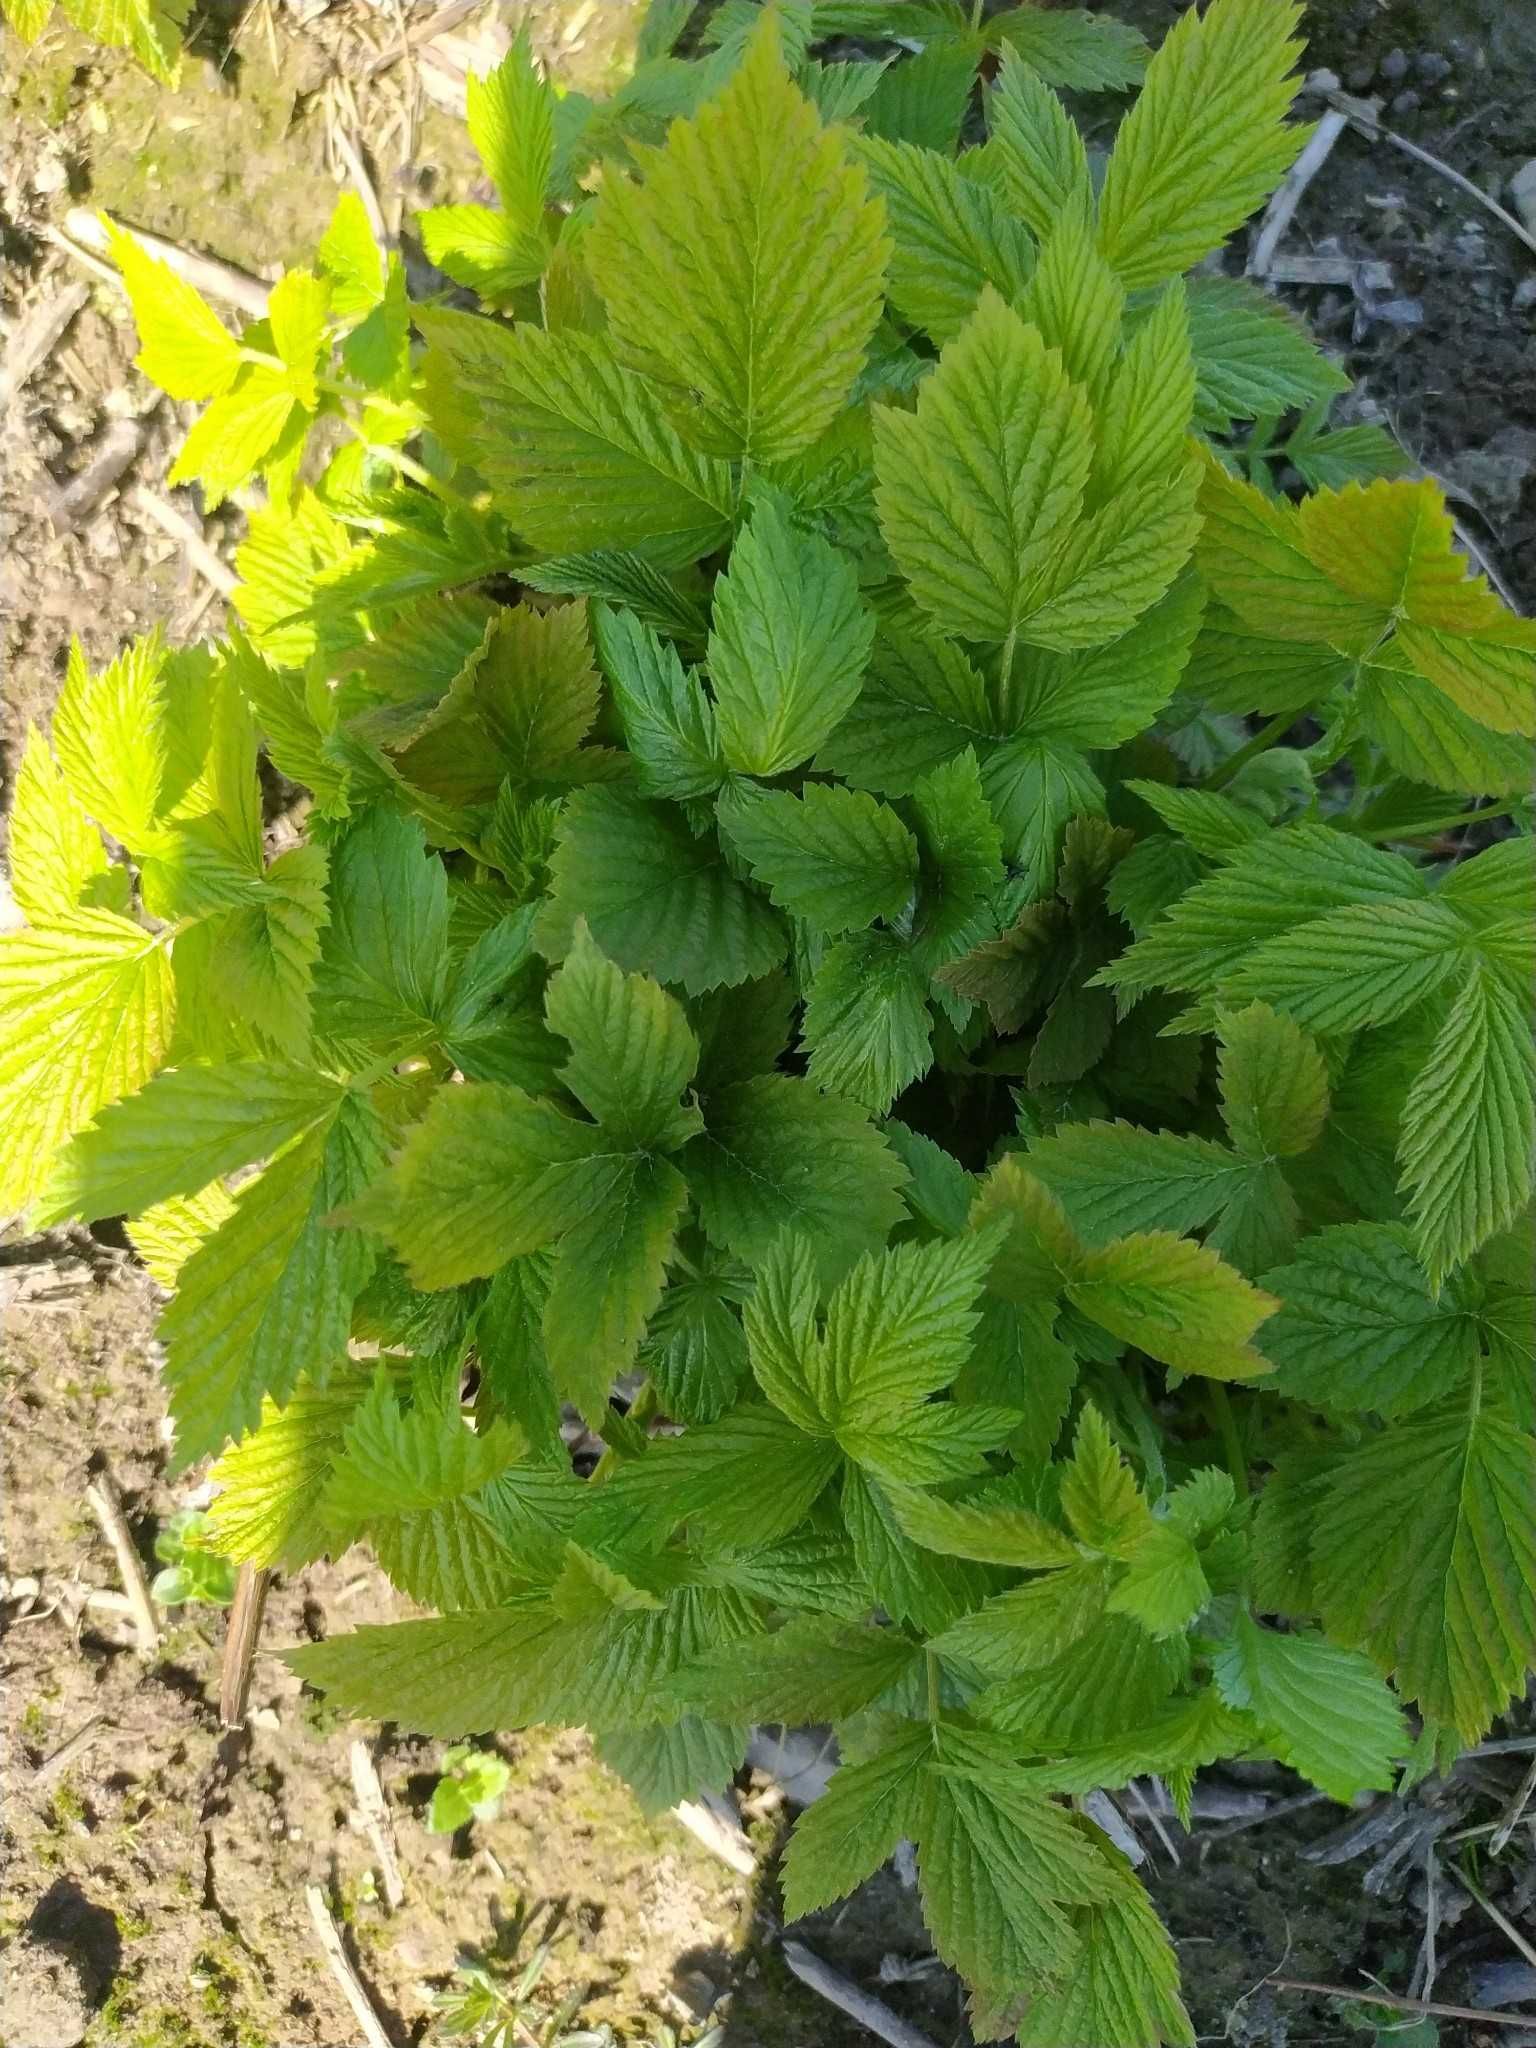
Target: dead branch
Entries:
(105, 1503)
(838, 1990)
(207, 274)
(339, 1963)
(208, 565)
(240, 1644)
(378, 1822)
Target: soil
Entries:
(151, 1895)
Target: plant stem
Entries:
(1274, 729)
(1220, 1406)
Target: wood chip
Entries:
(1367, 276)
(70, 506)
(240, 1640)
(105, 1503)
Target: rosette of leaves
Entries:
(790, 916)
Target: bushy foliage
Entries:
(790, 921)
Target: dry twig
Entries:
(1509, 1820)
(1502, 1921)
(721, 1833)
(339, 1963)
(58, 1763)
(105, 1503)
(378, 1822)
(85, 235)
(1422, 2008)
(208, 565)
(71, 505)
(34, 337)
(838, 1990)
(1365, 117)
(1281, 210)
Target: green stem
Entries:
(1426, 829)
(1219, 1403)
(640, 1411)
(935, 1709)
(408, 466)
(1274, 729)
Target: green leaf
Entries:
(237, 433)
(998, 1864)
(269, 1295)
(381, 981)
(183, 345)
(577, 445)
(1361, 966)
(1041, 164)
(1469, 1125)
(1104, 696)
(86, 1005)
(483, 250)
(866, 1024)
(975, 1528)
(1294, 874)
(835, 858)
(57, 861)
(1252, 357)
(1117, 1177)
(867, 1808)
(455, 1675)
(976, 488)
(899, 1328)
(1079, 51)
(1105, 1687)
(815, 1668)
(109, 733)
(608, 1279)
(1035, 787)
(656, 897)
(752, 247)
(510, 114)
(922, 703)
(962, 865)
(1427, 736)
(1123, 1989)
(1099, 1495)
(950, 236)
(1077, 303)
(297, 310)
(488, 1174)
(1175, 1300)
(267, 1510)
(182, 1131)
(1205, 143)
(665, 1766)
(668, 720)
(1147, 404)
(1424, 1548)
(1274, 1084)
(788, 645)
(778, 1155)
(1322, 1709)
(746, 1480)
(407, 1479)
(632, 1053)
(923, 98)
(695, 1351)
(1359, 1327)
(1252, 555)
(350, 259)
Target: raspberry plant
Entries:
(790, 923)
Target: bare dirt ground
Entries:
(151, 1894)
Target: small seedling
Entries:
(469, 1789)
(194, 1571)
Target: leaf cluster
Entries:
(796, 959)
